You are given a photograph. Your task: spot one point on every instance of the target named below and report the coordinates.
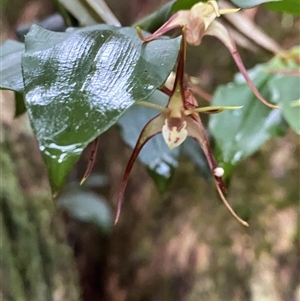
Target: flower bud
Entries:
(218, 172)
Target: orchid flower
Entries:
(176, 121)
(200, 21)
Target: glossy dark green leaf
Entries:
(156, 155)
(79, 83)
(285, 6)
(252, 3)
(240, 133)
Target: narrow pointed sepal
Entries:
(211, 109)
(225, 11)
(227, 205)
(92, 160)
(219, 31)
(178, 20)
(197, 132)
(152, 128)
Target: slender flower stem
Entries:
(152, 128)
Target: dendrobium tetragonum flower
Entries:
(176, 121)
(200, 21)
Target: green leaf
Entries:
(285, 6)
(159, 159)
(240, 133)
(286, 89)
(79, 83)
(252, 3)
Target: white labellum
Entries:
(174, 136)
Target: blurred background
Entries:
(181, 244)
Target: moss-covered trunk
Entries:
(36, 263)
